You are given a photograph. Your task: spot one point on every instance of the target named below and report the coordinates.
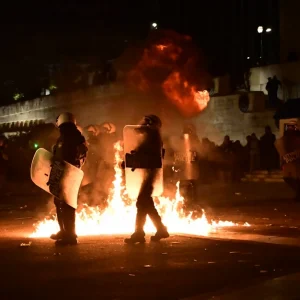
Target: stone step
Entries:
(250, 176)
(260, 172)
(276, 172)
(275, 175)
(262, 177)
(245, 179)
(274, 180)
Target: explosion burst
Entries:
(172, 60)
(119, 216)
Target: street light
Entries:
(154, 25)
(268, 29)
(260, 29)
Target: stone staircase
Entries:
(263, 176)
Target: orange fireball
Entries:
(184, 95)
(172, 62)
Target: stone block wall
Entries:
(115, 104)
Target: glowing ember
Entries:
(119, 217)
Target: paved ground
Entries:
(103, 267)
(178, 268)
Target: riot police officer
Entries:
(145, 205)
(70, 147)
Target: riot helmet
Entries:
(65, 117)
(107, 127)
(151, 120)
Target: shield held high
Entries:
(139, 163)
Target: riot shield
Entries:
(288, 147)
(185, 158)
(60, 179)
(138, 163)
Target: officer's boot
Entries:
(59, 213)
(162, 232)
(70, 237)
(139, 235)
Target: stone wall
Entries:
(120, 106)
(223, 116)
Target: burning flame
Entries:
(119, 216)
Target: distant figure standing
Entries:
(269, 157)
(254, 153)
(272, 88)
(227, 161)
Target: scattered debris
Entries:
(211, 262)
(147, 266)
(164, 253)
(195, 260)
(263, 271)
(56, 254)
(25, 244)
(238, 194)
(132, 275)
(234, 252)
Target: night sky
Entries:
(28, 24)
(52, 31)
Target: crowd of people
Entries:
(231, 160)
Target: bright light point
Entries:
(248, 57)
(36, 146)
(154, 25)
(260, 29)
(268, 29)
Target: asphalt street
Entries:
(182, 267)
(102, 267)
